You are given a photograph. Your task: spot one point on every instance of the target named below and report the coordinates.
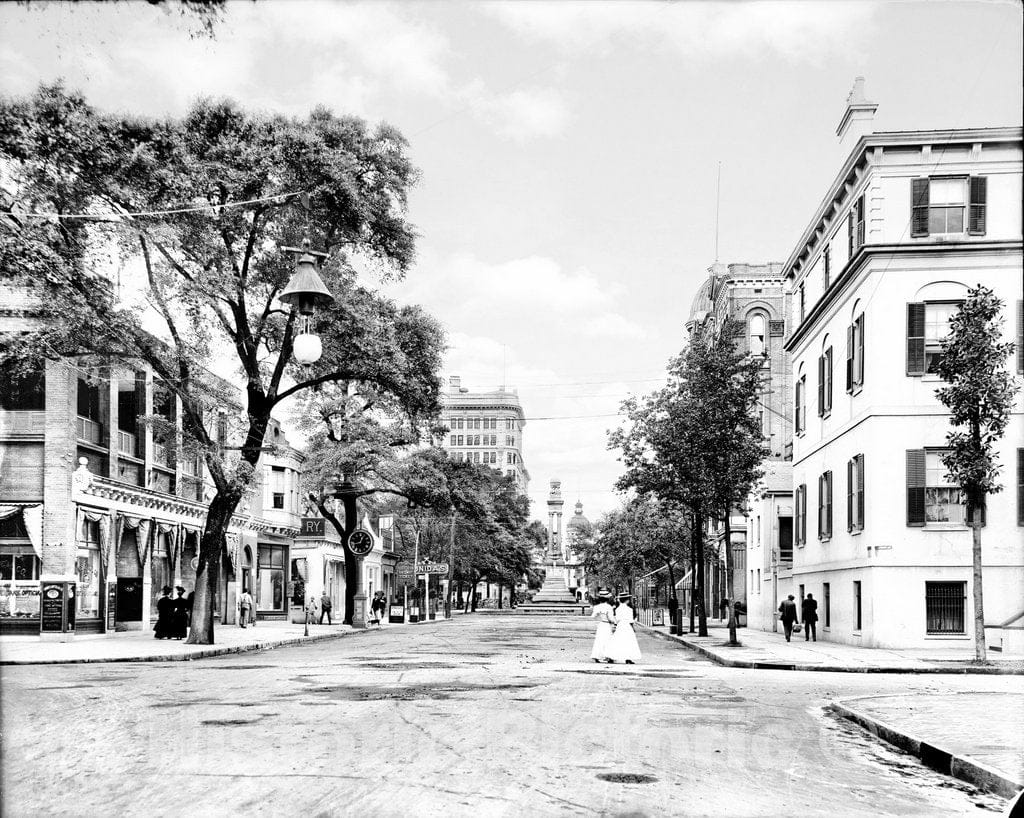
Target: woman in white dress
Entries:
(602, 612)
(623, 647)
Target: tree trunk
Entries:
(472, 594)
(729, 582)
(353, 564)
(979, 606)
(702, 608)
(500, 587)
(211, 552)
(673, 601)
(695, 535)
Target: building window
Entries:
(802, 300)
(757, 328)
(855, 226)
(855, 493)
(476, 457)
(855, 354)
(944, 607)
(857, 621)
(826, 598)
(827, 263)
(25, 393)
(277, 486)
(270, 586)
(932, 497)
(801, 404)
(786, 540)
(927, 328)
(825, 384)
(938, 205)
(825, 506)
(453, 439)
(801, 514)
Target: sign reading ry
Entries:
(312, 527)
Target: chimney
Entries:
(455, 381)
(856, 122)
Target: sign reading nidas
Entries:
(432, 568)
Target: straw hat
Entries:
(604, 593)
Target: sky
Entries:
(569, 152)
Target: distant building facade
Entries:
(485, 428)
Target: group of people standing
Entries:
(808, 615)
(173, 614)
(614, 640)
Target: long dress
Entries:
(164, 628)
(623, 647)
(602, 612)
(179, 618)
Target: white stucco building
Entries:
(912, 219)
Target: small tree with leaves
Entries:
(979, 396)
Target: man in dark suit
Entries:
(809, 615)
(787, 613)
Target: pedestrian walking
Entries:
(788, 615)
(164, 628)
(602, 612)
(377, 608)
(244, 608)
(325, 608)
(311, 610)
(809, 616)
(179, 614)
(623, 647)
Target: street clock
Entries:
(360, 543)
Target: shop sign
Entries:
(659, 617)
(396, 611)
(432, 568)
(404, 574)
(52, 610)
(312, 527)
(111, 606)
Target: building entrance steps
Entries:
(770, 651)
(554, 589)
(140, 646)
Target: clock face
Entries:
(360, 543)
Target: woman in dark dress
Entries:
(179, 617)
(164, 615)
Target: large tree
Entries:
(979, 396)
(200, 207)
(696, 443)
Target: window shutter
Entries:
(1020, 486)
(859, 374)
(799, 404)
(915, 487)
(1020, 337)
(849, 495)
(849, 358)
(977, 212)
(803, 513)
(860, 490)
(860, 222)
(915, 338)
(828, 376)
(821, 506)
(821, 386)
(796, 500)
(849, 234)
(919, 207)
(828, 505)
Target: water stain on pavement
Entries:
(229, 722)
(357, 693)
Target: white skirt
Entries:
(601, 638)
(623, 645)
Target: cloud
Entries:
(521, 114)
(798, 31)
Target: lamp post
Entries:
(342, 489)
(305, 292)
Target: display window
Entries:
(19, 582)
(87, 571)
(160, 566)
(271, 582)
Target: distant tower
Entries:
(555, 504)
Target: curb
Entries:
(749, 664)
(199, 654)
(973, 772)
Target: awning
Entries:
(33, 518)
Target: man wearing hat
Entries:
(602, 612)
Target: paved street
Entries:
(486, 715)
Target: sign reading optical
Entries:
(360, 543)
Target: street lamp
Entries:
(305, 292)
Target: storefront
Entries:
(271, 583)
(19, 568)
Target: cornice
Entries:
(867, 252)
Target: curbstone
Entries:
(973, 772)
(753, 664)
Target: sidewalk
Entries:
(942, 730)
(770, 651)
(140, 646)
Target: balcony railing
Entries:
(90, 430)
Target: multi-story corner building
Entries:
(910, 222)
(486, 428)
(755, 299)
(89, 493)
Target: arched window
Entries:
(757, 327)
